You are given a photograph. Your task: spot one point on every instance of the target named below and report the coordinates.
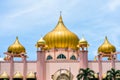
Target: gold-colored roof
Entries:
(4, 75)
(16, 47)
(106, 47)
(83, 42)
(61, 37)
(18, 75)
(96, 75)
(31, 75)
(41, 42)
(104, 75)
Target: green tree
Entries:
(85, 74)
(112, 74)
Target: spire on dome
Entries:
(60, 18)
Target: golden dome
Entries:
(106, 47)
(41, 42)
(104, 75)
(61, 37)
(83, 42)
(4, 75)
(96, 75)
(16, 47)
(31, 75)
(18, 75)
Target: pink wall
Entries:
(18, 66)
(5, 66)
(53, 66)
(93, 65)
(31, 66)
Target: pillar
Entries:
(113, 61)
(100, 67)
(68, 55)
(41, 67)
(11, 68)
(54, 54)
(24, 67)
(83, 59)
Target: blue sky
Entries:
(29, 19)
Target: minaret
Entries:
(106, 50)
(41, 65)
(83, 54)
(16, 50)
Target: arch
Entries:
(62, 74)
(63, 77)
(49, 57)
(61, 56)
(73, 57)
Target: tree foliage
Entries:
(112, 74)
(85, 74)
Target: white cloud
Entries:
(21, 12)
(113, 5)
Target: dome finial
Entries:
(106, 38)
(60, 13)
(16, 37)
(60, 19)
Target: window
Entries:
(49, 57)
(73, 57)
(61, 56)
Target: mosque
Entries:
(60, 55)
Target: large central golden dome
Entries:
(61, 37)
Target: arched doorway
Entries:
(62, 74)
(63, 77)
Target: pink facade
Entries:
(46, 69)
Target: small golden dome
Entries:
(16, 47)
(61, 37)
(83, 42)
(31, 75)
(18, 75)
(41, 42)
(104, 75)
(4, 75)
(106, 47)
(96, 75)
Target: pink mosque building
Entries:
(60, 55)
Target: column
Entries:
(100, 67)
(68, 54)
(24, 67)
(54, 54)
(113, 61)
(83, 59)
(41, 67)
(11, 68)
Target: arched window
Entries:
(61, 56)
(73, 57)
(49, 57)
